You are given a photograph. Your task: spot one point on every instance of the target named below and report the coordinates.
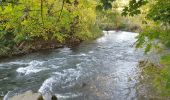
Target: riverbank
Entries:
(154, 79)
(130, 28)
(40, 45)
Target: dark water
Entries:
(104, 69)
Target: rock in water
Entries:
(54, 97)
(29, 95)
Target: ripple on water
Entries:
(10, 64)
(33, 67)
(17, 63)
(90, 52)
(65, 50)
(79, 55)
(68, 95)
(67, 78)
(107, 66)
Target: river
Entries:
(103, 69)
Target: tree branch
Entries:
(61, 10)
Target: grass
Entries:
(158, 76)
(165, 60)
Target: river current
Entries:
(103, 69)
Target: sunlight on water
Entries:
(104, 69)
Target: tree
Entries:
(156, 32)
(26, 21)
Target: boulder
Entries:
(29, 95)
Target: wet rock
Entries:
(29, 95)
(54, 97)
(84, 84)
(40, 98)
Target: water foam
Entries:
(65, 50)
(47, 86)
(67, 78)
(83, 54)
(68, 95)
(13, 63)
(31, 68)
(6, 97)
(90, 52)
(17, 63)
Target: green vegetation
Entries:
(155, 23)
(23, 23)
(29, 25)
(159, 76)
(165, 73)
(32, 25)
(154, 16)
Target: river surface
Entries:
(103, 69)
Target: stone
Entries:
(54, 97)
(29, 95)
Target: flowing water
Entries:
(103, 69)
